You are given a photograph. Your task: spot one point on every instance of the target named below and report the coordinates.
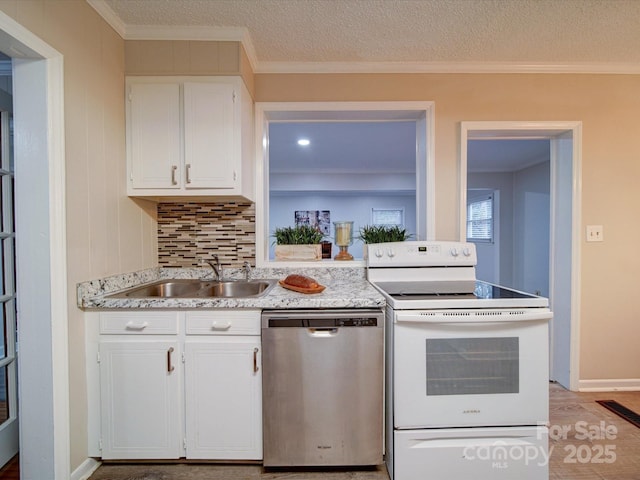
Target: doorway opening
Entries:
(512, 176)
(323, 172)
(563, 240)
(419, 115)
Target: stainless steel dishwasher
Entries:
(322, 382)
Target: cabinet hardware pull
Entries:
(255, 360)
(188, 172)
(215, 326)
(170, 368)
(136, 326)
(174, 168)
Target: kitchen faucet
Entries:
(246, 266)
(217, 267)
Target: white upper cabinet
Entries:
(154, 143)
(189, 137)
(210, 139)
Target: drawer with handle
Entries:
(139, 323)
(223, 322)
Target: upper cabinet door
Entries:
(153, 139)
(211, 135)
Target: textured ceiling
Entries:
(398, 35)
(559, 33)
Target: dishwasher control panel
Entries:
(357, 322)
(322, 318)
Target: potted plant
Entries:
(301, 242)
(381, 234)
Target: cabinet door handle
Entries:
(215, 326)
(188, 172)
(255, 360)
(174, 168)
(136, 326)
(170, 368)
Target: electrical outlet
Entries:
(595, 233)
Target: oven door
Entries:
(463, 368)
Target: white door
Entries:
(211, 136)
(140, 399)
(8, 354)
(153, 135)
(223, 391)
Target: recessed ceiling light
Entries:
(303, 142)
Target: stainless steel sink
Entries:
(236, 289)
(164, 288)
(194, 288)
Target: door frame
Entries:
(41, 256)
(564, 292)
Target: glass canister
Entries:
(343, 239)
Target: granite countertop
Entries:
(345, 288)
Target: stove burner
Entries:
(486, 290)
(430, 296)
(482, 291)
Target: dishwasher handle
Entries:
(322, 332)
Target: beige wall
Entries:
(608, 107)
(107, 233)
(188, 57)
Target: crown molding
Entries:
(176, 32)
(447, 67)
(109, 16)
(203, 33)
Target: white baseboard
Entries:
(610, 385)
(85, 470)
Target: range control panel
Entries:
(421, 254)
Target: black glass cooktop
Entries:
(486, 290)
(482, 291)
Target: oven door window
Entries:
(471, 366)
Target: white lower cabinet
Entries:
(180, 384)
(140, 397)
(223, 398)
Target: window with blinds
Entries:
(480, 219)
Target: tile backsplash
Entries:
(189, 233)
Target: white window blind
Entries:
(387, 216)
(480, 219)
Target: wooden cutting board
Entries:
(318, 289)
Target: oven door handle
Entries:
(475, 317)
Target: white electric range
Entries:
(467, 367)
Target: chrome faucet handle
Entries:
(217, 267)
(246, 266)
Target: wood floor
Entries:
(575, 454)
(11, 471)
(574, 419)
